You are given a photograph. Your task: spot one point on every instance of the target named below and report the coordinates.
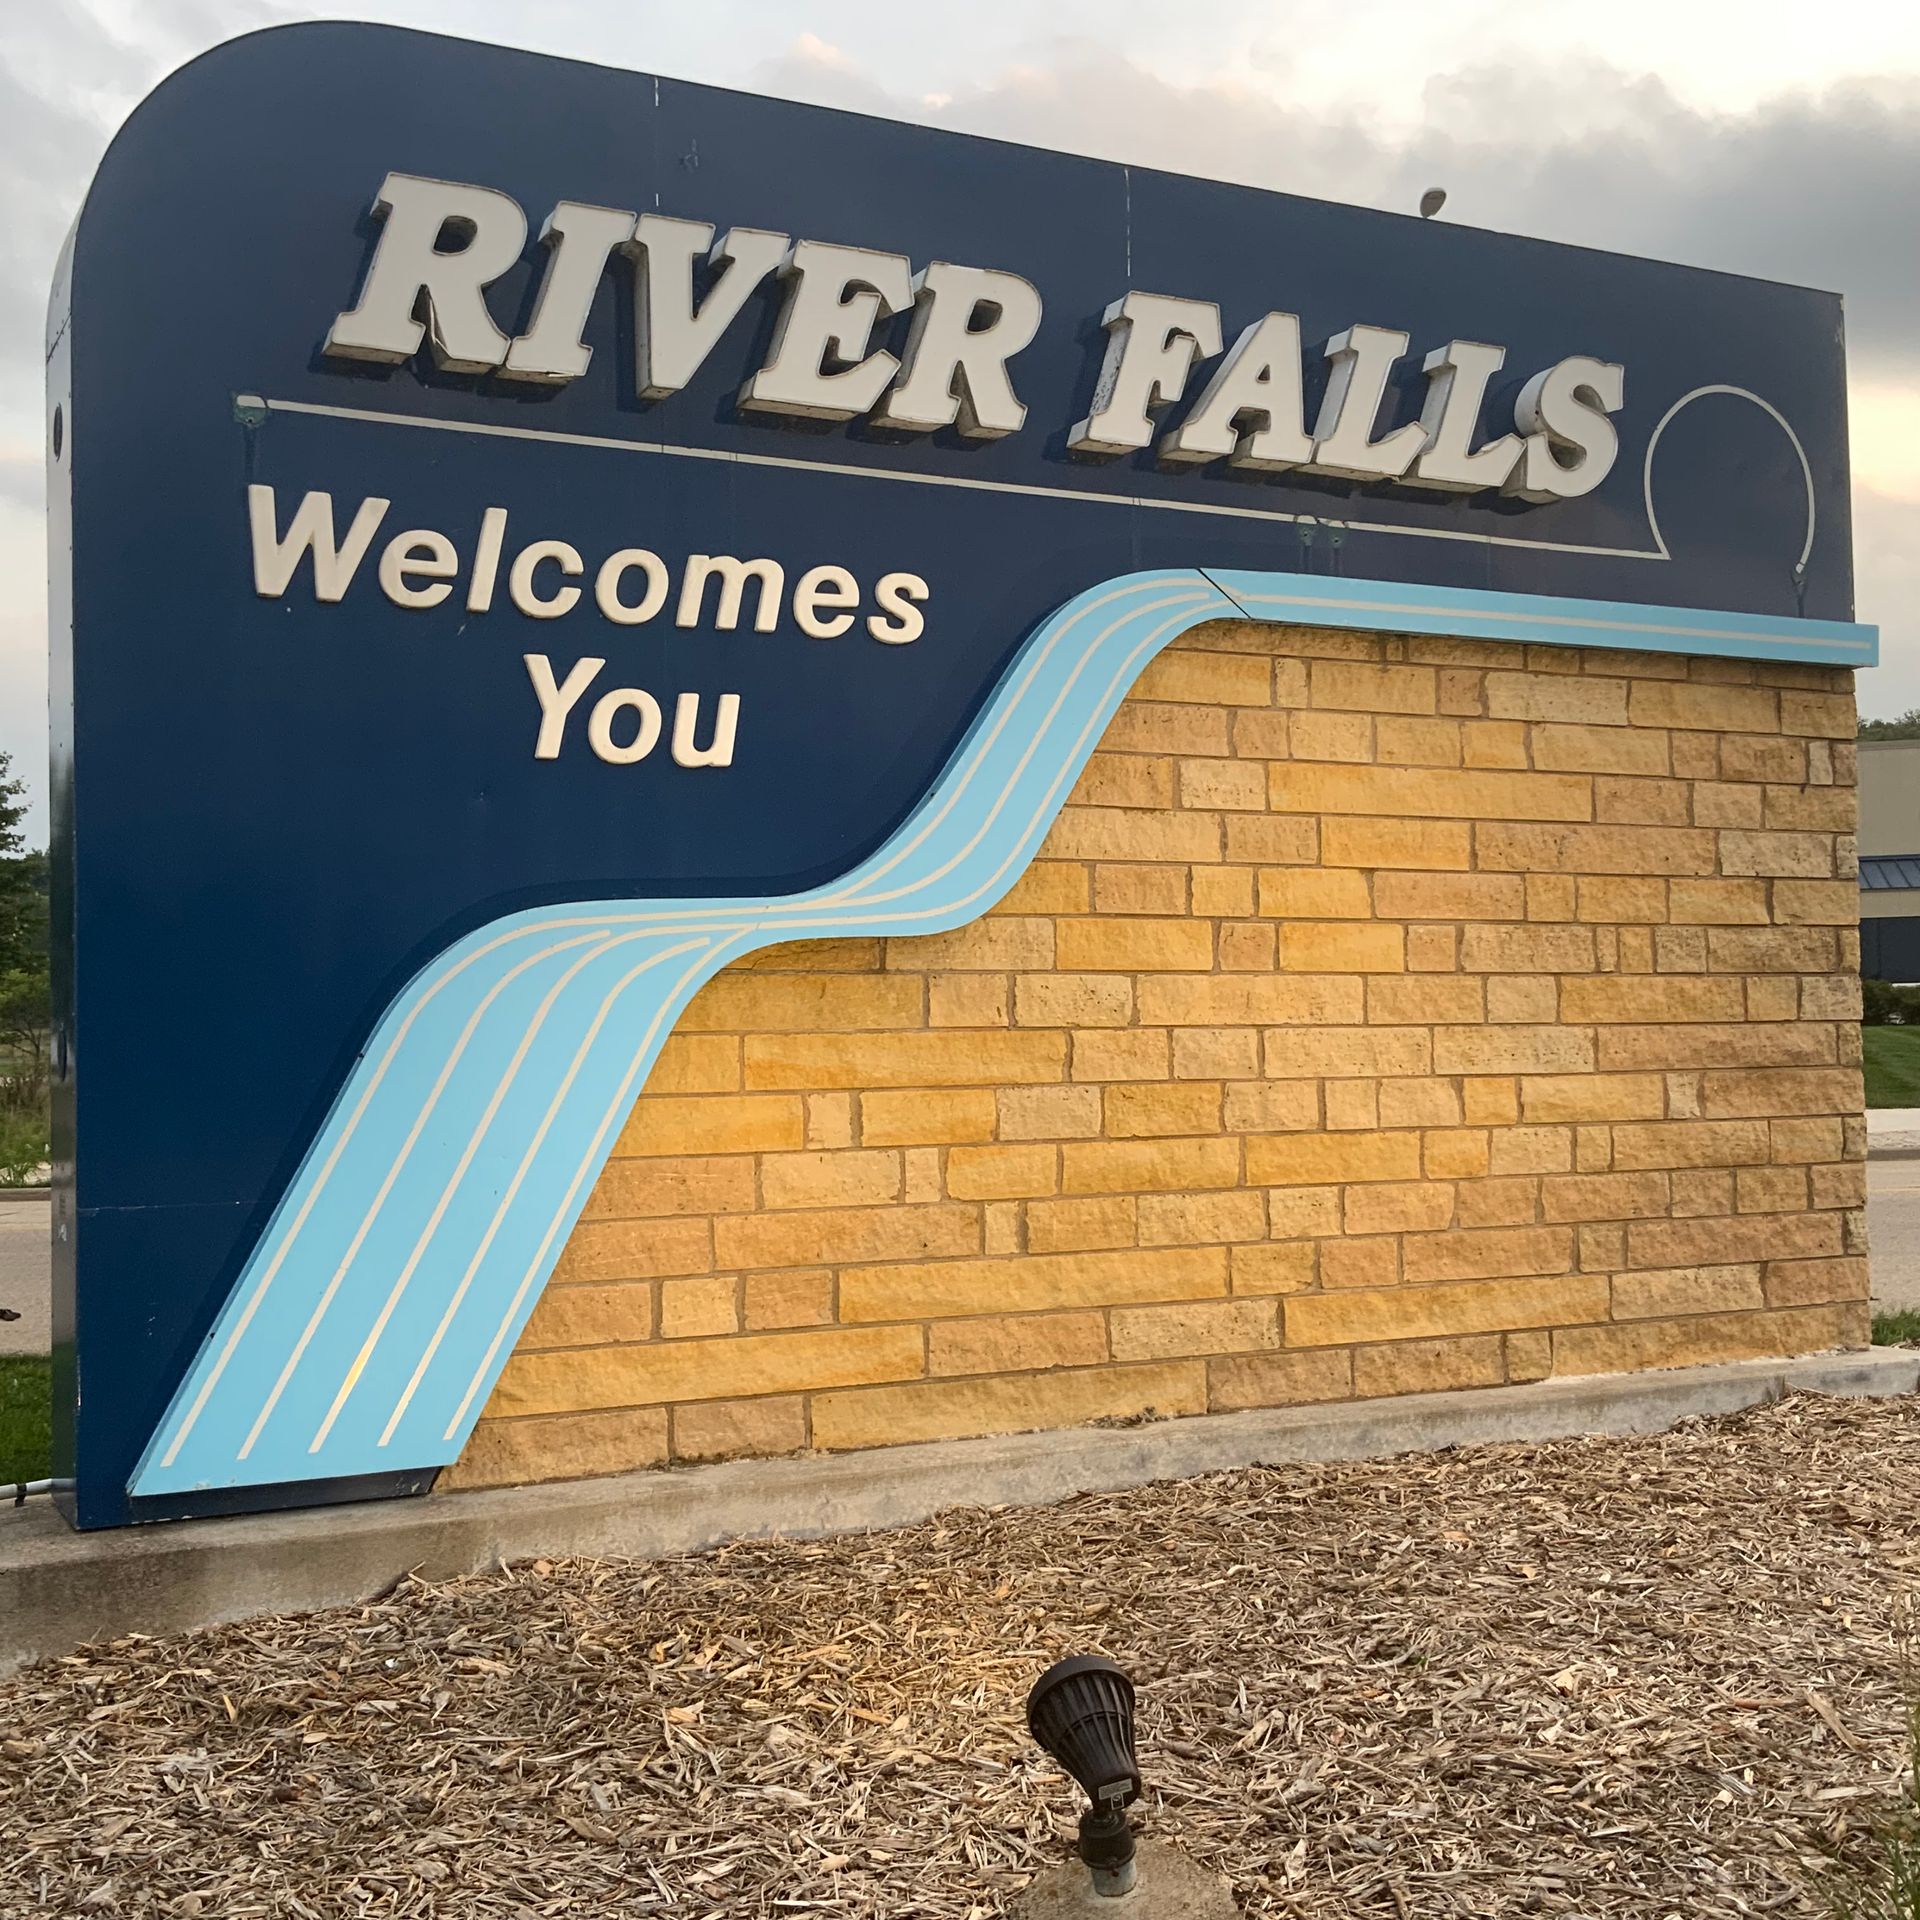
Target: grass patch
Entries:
(1891, 1056)
(26, 1417)
(1897, 1329)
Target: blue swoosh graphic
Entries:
(372, 1320)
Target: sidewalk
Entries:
(1893, 1132)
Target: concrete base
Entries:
(1168, 1887)
(59, 1589)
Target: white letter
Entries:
(824, 587)
(486, 559)
(520, 580)
(896, 594)
(686, 716)
(672, 337)
(606, 586)
(1258, 382)
(955, 370)
(600, 726)
(819, 366)
(1153, 341)
(577, 239)
(768, 575)
(556, 702)
(1566, 408)
(1457, 376)
(424, 553)
(408, 263)
(1362, 358)
(274, 559)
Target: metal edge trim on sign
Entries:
(373, 1320)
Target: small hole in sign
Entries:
(59, 430)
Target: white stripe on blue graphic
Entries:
(375, 1315)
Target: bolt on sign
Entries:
(526, 535)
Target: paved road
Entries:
(1893, 1208)
(23, 1275)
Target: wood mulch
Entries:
(1651, 1677)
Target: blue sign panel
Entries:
(528, 534)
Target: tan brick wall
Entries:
(1382, 1015)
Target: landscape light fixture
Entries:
(1432, 201)
(1081, 1712)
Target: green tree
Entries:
(24, 984)
(1906, 727)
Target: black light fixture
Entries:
(1081, 1712)
(1432, 201)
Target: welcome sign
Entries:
(526, 535)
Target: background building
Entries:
(1890, 859)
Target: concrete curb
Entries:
(60, 1589)
(25, 1193)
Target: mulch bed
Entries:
(1651, 1677)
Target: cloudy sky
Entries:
(1783, 148)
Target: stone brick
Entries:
(635, 1250)
(1271, 1106)
(1352, 1104)
(1072, 1000)
(1543, 948)
(1310, 1159)
(696, 1063)
(829, 1120)
(1155, 726)
(1692, 1143)
(1804, 1139)
(630, 1189)
(1771, 1189)
(1776, 1044)
(1399, 1208)
(1082, 1226)
(1559, 748)
(1726, 803)
(1762, 758)
(1431, 844)
(1229, 784)
(1401, 740)
(1807, 1283)
(1130, 889)
(1360, 1263)
(1529, 1356)
(1486, 1253)
(1429, 1366)
(1703, 1340)
(1140, 1054)
(1512, 1200)
(1314, 893)
(860, 1177)
(774, 1300)
(1016, 1343)
(1621, 897)
(1426, 793)
(969, 1000)
(1518, 1150)
(740, 1429)
(1782, 1091)
(506, 1453)
(1812, 809)
(1806, 856)
(1841, 1186)
(1603, 1196)
(1124, 780)
(1714, 709)
(1002, 1173)
(862, 1060)
(1421, 1312)
(951, 1409)
(1216, 1053)
(707, 1305)
(1266, 840)
(1621, 999)
(1244, 1000)
(1770, 949)
(1480, 1050)
(1202, 1219)
(1134, 945)
(1831, 715)
(1492, 743)
(1148, 1166)
(582, 1316)
(1341, 946)
(1816, 903)
(1209, 679)
(1538, 696)
(1331, 736)
(999, 943)
(1139, 1110)
(1120, 833)
(836, 1234)
(1247, 949)
(1049, 886)
(1222, 892)
(786, 1003)
(927, 1117)
(1661, 803)
(1240, 1383)
(1419, 1103)
(1711, 1241)
(1585, 1096)
(1508, 848)
(1430, 997)
(1049, 1113)
(1338, 683)
(1193, 1327)
(675, 1370)
(1032, 1283)
(1276, 1267)
(1450, 896)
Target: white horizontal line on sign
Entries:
(613, 444)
